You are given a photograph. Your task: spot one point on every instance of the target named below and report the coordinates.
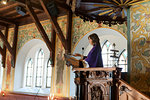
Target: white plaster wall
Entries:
(1, 72)
(1, 76)
(29, 50)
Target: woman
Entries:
(94, 58)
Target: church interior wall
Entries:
(29, 32)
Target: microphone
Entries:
(82, 50)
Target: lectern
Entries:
(97, 83)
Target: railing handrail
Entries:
(125, 83)
(95, 69)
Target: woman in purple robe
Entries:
(94, 58)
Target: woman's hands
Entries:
(77, 54)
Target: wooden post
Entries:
(6, 43)
(69, 30)
(53, 38)
(55, 25)
(4, 47)
(39, 26)
(15, 45)
(1, 51)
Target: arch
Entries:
(104, 34)
(123, 34)
(23, 56)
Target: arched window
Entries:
(49, 74)
(29, 74)
(38, 72)
(123, 61)
(35, 75)
(39, 68)
(106, 53)
(109, 61)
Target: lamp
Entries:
(20, 10)
(4, 1)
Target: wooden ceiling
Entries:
(9, 15)
(106, 11)
(88, 10)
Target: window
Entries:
(39, 69)
(123, 61)
(33, 77)
(49, 74)
(106, 53)
(29, 74)
(109, 61)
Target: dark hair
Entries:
(95, 39)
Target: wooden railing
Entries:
(126, 92)
(96, 83)
(104, 84)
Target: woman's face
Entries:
(90, 41)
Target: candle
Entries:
(51, 97)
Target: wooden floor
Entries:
(14, 96)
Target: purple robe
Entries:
(94, 57)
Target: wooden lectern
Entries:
(97, 83)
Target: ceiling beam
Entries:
(8, 21)
(27, 14)
(55, 25)
(39, 26)
(93, 1)
(8, 6)
(36, 6)
(63, 6)
(6, 43)
(9, 13)
(3, 24)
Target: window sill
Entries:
(34, 91)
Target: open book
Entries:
(71, 60)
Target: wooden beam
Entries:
(63, 6)
(15, 44)
(11, 5)
(17, 17)
(6, 43)
(39, 26)
(1, 51)
(53, 39)
(36, 6)
(9, 13)
(69, 30)
(55, 25)
(8, 21)
(3, 24)
(4, 47)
